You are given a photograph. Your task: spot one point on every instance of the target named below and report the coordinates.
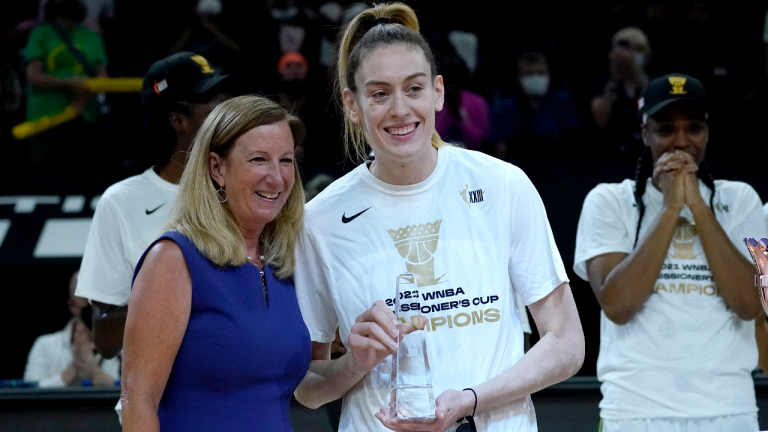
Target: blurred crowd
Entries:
(534, 85)
(525, 92)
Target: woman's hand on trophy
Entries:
(373, 336)
(450, 406)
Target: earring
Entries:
(219, 192)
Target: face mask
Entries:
(535, 85)
(639, 59)
(210, 8)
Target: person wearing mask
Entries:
(614, 100)
(178, 93)
(60, 54)
(67, 357)
(214, 338)
(540, 118)
(665, 257)
(454, 219)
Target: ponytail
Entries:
(383, 24)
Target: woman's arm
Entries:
(37, 77)
(623, 282)
(558, 355)
(158, 315)
(373, 338)
(733, 273)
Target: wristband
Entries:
(470, 425)
(475, 408)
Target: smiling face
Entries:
(258, 174)
(395, 102)
(677, 129)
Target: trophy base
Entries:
(412, 402)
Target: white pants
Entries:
(734, 423)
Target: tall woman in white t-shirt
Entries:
(478, 225)
(665, 259)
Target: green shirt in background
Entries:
(46, 45)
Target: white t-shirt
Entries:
(52, 353)
(471, 231)
(765, 215)
(685, 353)
(128, 218)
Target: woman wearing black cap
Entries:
(664, 256)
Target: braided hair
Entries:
(644, 171)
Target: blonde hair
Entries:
(382, 24)
(634, 36)
(197, 212)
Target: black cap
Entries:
(668, 89)
(178, 77)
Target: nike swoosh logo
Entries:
(345, 219)
(149, 212)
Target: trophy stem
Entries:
(411, 394)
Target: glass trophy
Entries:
(759, 252)
(412, 397)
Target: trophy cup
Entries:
(759, 252)
(411, 394)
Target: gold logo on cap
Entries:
(677, 85)
(417, 244)
(206, 68)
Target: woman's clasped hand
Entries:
(675, 174)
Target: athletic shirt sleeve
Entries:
(105, 272)
(601, 229)
(313, 291)
(535, 265)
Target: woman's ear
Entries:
(218, 167)
(350, 106)
(644, 133)
(178, 122)
(439, 92)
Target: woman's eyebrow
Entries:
(408, 78)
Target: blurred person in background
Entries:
(68, 357)
(614, 100)
(60, 55)
(465, 120)
(298, 28)
(97, 13)
(665, 258)
(214, 338)
(205, 35)
(301, 94)
(178, 93)
(540, 120)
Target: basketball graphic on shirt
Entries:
(417, 244)
(684, 240)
